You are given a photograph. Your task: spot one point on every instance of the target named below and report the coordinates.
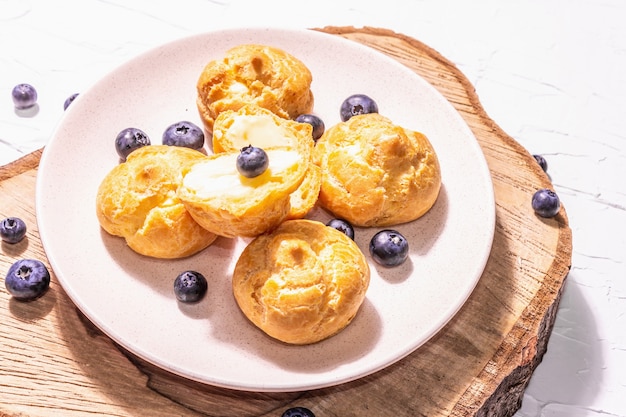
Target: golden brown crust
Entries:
(304, 198)
(254, 74)
(137, 201)
(375, 173)
(302, 283)
(229, 205)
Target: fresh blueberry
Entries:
(542, 162)
(252, 161)
(389, 248)
(69, 101)
(12, 229)
(315, 122)
(27, 279)
(357, 104)
(24, 96)
(184, 134)
(298, 412)
(190, 286)
(546, 203)
(130, 139)
(343, 226)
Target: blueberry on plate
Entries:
(343, 226)
(315, 122)
(184, 134)
(389, 248)
(130, 139)
(357, 104)
(546, 203)
(298, 412)
(12, 229)
(27, 279)
(190, 286)
(252, 161)
(24, 96)
(542, 162)
(69, 101)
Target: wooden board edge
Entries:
(21, 165)
(508, 386)
(508, 390)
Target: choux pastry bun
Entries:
(137, 200)
(230, 204)
(262, 75)
(375, 173)
(301, 283)
(252, 125)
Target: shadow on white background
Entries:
(572, 365)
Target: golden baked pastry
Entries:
(303, 199)
(229, 204)
(252, 125)
(262, 75)
(301, 283)
(375, 173)
(137, 200)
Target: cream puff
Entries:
(376, 173)
(252, 125)
(301, 283)
(229, 204)
(137, 200)
(261, 75)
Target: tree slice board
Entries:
(53, 361)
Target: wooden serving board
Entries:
(55, 362)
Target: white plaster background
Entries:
(551, 73)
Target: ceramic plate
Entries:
(130, 297)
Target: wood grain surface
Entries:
(55, 362)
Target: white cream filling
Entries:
(219, 177)
(259, 131)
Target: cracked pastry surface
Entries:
(137, 200)
(261, 75)
(376, 173)
(301, 283)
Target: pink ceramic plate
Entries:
(130, 297)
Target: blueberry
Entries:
(343, 226)
(542, 162)
(130, 139)
(252, 161)
(190, 286)
(24, 96)
(27, 279)
(546, 203)
(184, 134)
(315, 122)
(298, 412)
(12, 229)
(389, 248)
(69, 101)
(357, 104)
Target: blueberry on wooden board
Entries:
(546, 203)
(27, 279)
(12, 229)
